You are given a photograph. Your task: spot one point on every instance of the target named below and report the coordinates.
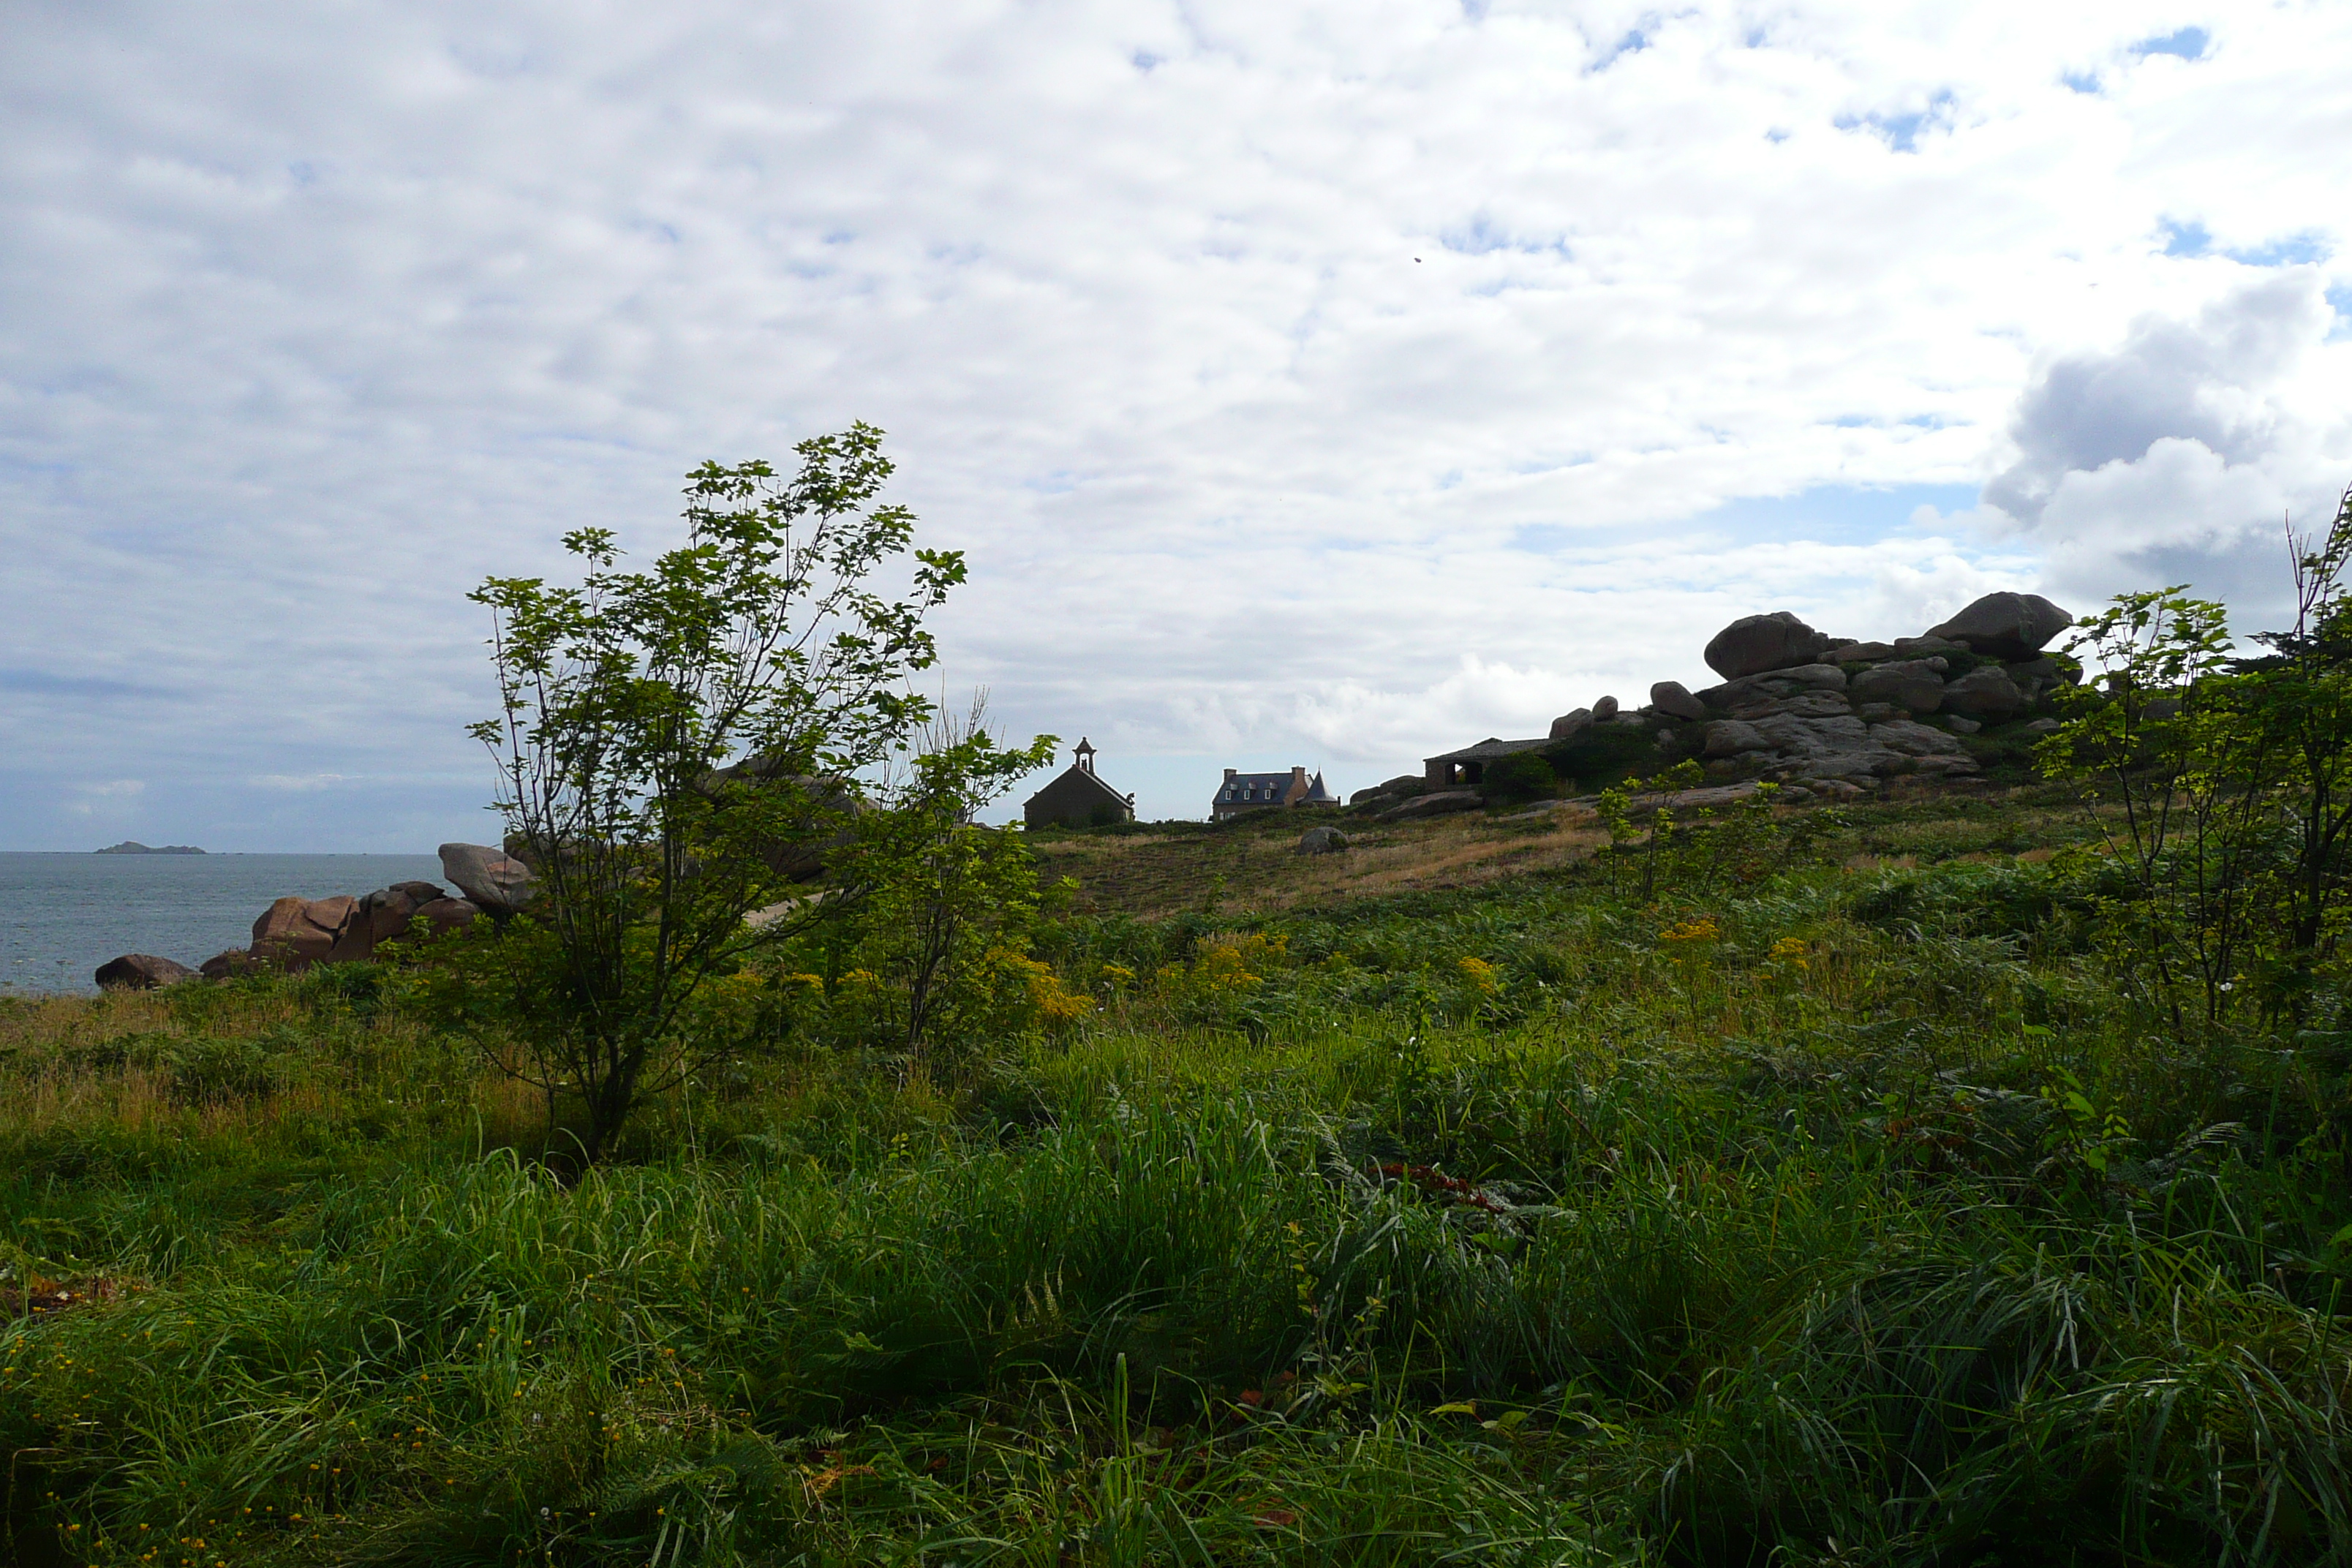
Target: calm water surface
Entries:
(61, 916)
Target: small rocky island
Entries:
(132, 847)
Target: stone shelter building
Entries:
(1463, 769)
(1077, 798)
(1255, 792)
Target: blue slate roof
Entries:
(1266, 788)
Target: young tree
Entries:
(2175, 784)
(942, 899)
(2301, 700)
(2223, 785)
(761, 642)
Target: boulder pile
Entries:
(1835, 714)
(1397, 788)
(294, 933)
(1823, 715)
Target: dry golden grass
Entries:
(1257, 868)
(138, 1100)
(82, 1061)
(44, 1024)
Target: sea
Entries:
(61, 916)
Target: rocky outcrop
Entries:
(1753, 644)
(1986, 693)
(492, 880)
(295, 933)
(1437, 802)
(1916, 684)
(1829, 715)
(448, 914)
(1672, 698)
(387, 912)
(1850, 653)
(142, 972)
(1394, 789)
(1730, 737)
(1322, 841)
(827, 808)
(2005, 626)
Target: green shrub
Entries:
(1605, 755)
(1522, 776)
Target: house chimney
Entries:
(1229, 772)
(1299, 776)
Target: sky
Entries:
(1306, 384)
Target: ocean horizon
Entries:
(63, 913)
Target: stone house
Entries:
(1077, 798)
(1255, 792)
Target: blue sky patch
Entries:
(2189, 238)
(1826, 514)
(1633, 43)
(1833, 514)
(2293, 250)
(1899, 132)
(2188, 44)
(1480, 236)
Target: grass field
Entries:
(1439, 1201)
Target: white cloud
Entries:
(314, 316)
(2182, 454)
(2197, 380)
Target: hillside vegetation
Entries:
(1835, 1197)
(803, 1178)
